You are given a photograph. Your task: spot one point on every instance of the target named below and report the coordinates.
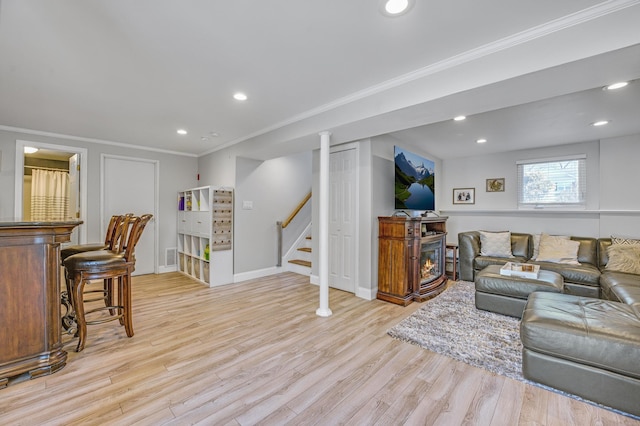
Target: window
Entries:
(554, 182)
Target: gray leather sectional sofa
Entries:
(581, 280)
(586, 340)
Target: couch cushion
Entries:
(585, 274)
(495, 244)
(481, 262)
(620, 287)
(588, 251)
(599, 333)
(489, 280)
(623, 258)
(603, 245)
(521, 245)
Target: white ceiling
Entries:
(133, 72)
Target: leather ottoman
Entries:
(508, 295)
(584, 346)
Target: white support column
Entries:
(323, 270)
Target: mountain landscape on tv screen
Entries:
(414, 182)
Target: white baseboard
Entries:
(362, 293)
(366, 293)
(298, 269)
(243, 276)
(165, 269)
(258, 273)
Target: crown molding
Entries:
(92, 140)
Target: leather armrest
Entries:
(468, 250)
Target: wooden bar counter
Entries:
(30, 310)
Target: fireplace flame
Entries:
(427, 269)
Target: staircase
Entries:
(298, 256)
(301, 263)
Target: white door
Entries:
(342, 220)
(129, 186)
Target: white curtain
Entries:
(49, 195)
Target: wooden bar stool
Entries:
(68, 319)
(108, 240)
(115, 265)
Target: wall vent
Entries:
(170, 256)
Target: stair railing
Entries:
(281, 225)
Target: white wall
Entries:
(218, 168)
(274, 187)
(176, 172)
(609, 163)
(619, 175)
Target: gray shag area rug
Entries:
(451, 325)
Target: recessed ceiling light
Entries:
(30, 150)
(481, 140)
(600, 123)
(395, 7)
(240, 96)
(618, 85)
(182, 132)
(459, 118)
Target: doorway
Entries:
(69, 162)
(343, 194)
(130, 185)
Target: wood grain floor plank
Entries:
(452, 401)
(398, 357)
(256, 353)
(509, 404)
(485, 400)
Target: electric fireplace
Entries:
(411, 258)
(431, 273)
(430, 261)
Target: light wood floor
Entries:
(256, 353)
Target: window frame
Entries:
(581, 182)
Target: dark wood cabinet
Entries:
(411, 258)
(30, 316)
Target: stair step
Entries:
(301, 262)
(307, 249)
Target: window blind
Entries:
(554, 182)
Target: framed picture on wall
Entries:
(495, 185)
(464, 195)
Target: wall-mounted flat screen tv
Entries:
(415, 181)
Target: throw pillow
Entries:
(624, 258)
(496, 244)
(558, 250)
(536, 243)
(624, 241)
